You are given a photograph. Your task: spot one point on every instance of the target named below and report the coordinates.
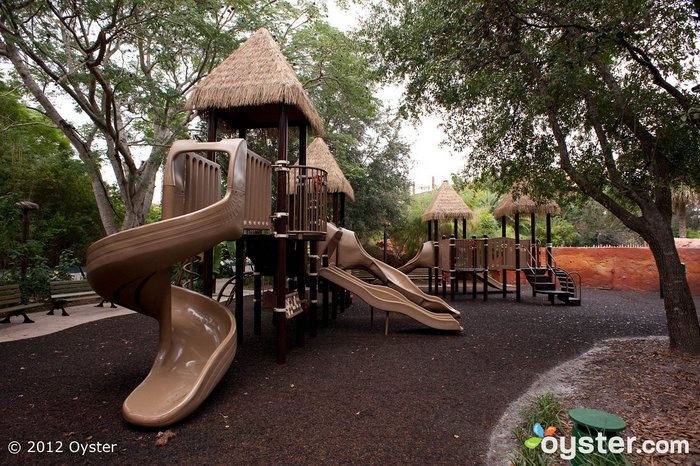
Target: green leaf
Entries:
(532, 442)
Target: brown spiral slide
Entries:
(132, 268)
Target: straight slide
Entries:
(132, 268)
(388, 299)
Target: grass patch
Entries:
(547, 410)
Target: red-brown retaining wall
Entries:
(624, 268)
(620, 268)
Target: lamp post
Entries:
(26, 207)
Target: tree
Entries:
(589, 92)
(335, 69)
(684, 197)
(36, 165)
(126, 66)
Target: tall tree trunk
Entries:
(682, 220)
(80, 145)
(681, 315)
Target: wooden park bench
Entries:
(11, 304)
(63, 292)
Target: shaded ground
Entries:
(656, 392)
(352, 395)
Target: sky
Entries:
(428, 158)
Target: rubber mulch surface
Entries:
(351, 395)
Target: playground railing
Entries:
(258, 193)
(469, 253)
(568, 281)
(308, 199)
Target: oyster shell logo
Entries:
(533, 442)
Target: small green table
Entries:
(589, 423)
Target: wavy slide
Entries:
(350, 254)
(388, 299)
(132, 268)
(424, 258)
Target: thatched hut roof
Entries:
(447, 205)
(318, 155)
(249, 85)
(523, 205)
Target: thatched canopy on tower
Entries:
(523, 204)
(319, 155)
(247, 88)
(447, 205)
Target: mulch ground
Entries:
(351, 395)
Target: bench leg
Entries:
(64, 313)
(27, 320)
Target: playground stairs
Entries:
(554, 282)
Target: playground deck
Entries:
(352, 395)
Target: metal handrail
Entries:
(229, 297)
(569, 275)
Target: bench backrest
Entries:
(69, 286)
(10, 295)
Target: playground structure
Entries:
(253, 88)
(453, 258)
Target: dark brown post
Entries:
(281, 235)
(301, 290)
(549, 243)
(453, 272)
(430, 269)
(517, 257)
(464, 274)
(533, 247)
(504, 272)
(240, 282)
(324, 291)
(473, 249)
(335, 208)
(313, 289)
(486, 268)
(302, 254)
(454, 283)
(436, 255)
(341, 219)
(444, 281)
(533, 239)
(257, 303)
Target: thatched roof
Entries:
(447, 205)
(523, 205)
(257, 76)
(318, 155)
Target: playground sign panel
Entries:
(292, 305)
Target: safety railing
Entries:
(470, 253)
(308, 199)
(568, 281)
(258, 196)
(196, 185)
